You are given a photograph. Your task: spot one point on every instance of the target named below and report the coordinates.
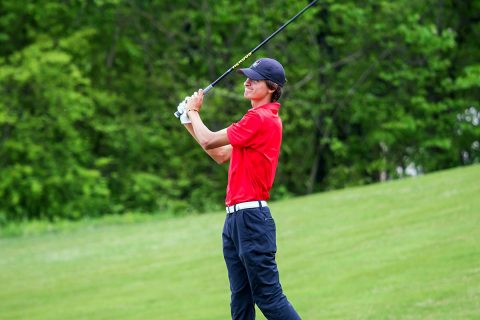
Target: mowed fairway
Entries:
(408, 249)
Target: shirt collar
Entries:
(270, 106)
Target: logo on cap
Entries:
(256, 63)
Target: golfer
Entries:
(252, 146)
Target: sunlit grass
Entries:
(407, 249)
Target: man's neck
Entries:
(259, 103)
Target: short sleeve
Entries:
(242, 133)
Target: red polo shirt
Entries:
(256, 141)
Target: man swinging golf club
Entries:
(252, 146)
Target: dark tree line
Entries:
(376, 90)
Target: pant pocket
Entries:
(261, 230)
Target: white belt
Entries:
(246, 205)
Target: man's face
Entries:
(256, 90)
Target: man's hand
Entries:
(184, 119)
(181, 108)
(195, 101)
(181, 112)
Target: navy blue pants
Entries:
(249, 247)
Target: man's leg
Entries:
(242, 305)
(258, 254)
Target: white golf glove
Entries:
(183, 114)
(184, 119)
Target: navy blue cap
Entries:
(265, 69)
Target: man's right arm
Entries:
(221, 155)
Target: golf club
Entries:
(210, 86)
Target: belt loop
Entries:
(234, 208)
(260, 204)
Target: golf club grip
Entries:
(205, 91)
(210, 87)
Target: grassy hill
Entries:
(407, 249)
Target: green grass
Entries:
(407, 249)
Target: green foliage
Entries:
(45, 156)
(87, 92)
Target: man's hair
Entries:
(278, 90)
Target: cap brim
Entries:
(251, 74)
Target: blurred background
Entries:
(377, 90)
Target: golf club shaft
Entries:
(210, 87)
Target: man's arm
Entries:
(220, 155)
(206, 138)
(215, 144)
